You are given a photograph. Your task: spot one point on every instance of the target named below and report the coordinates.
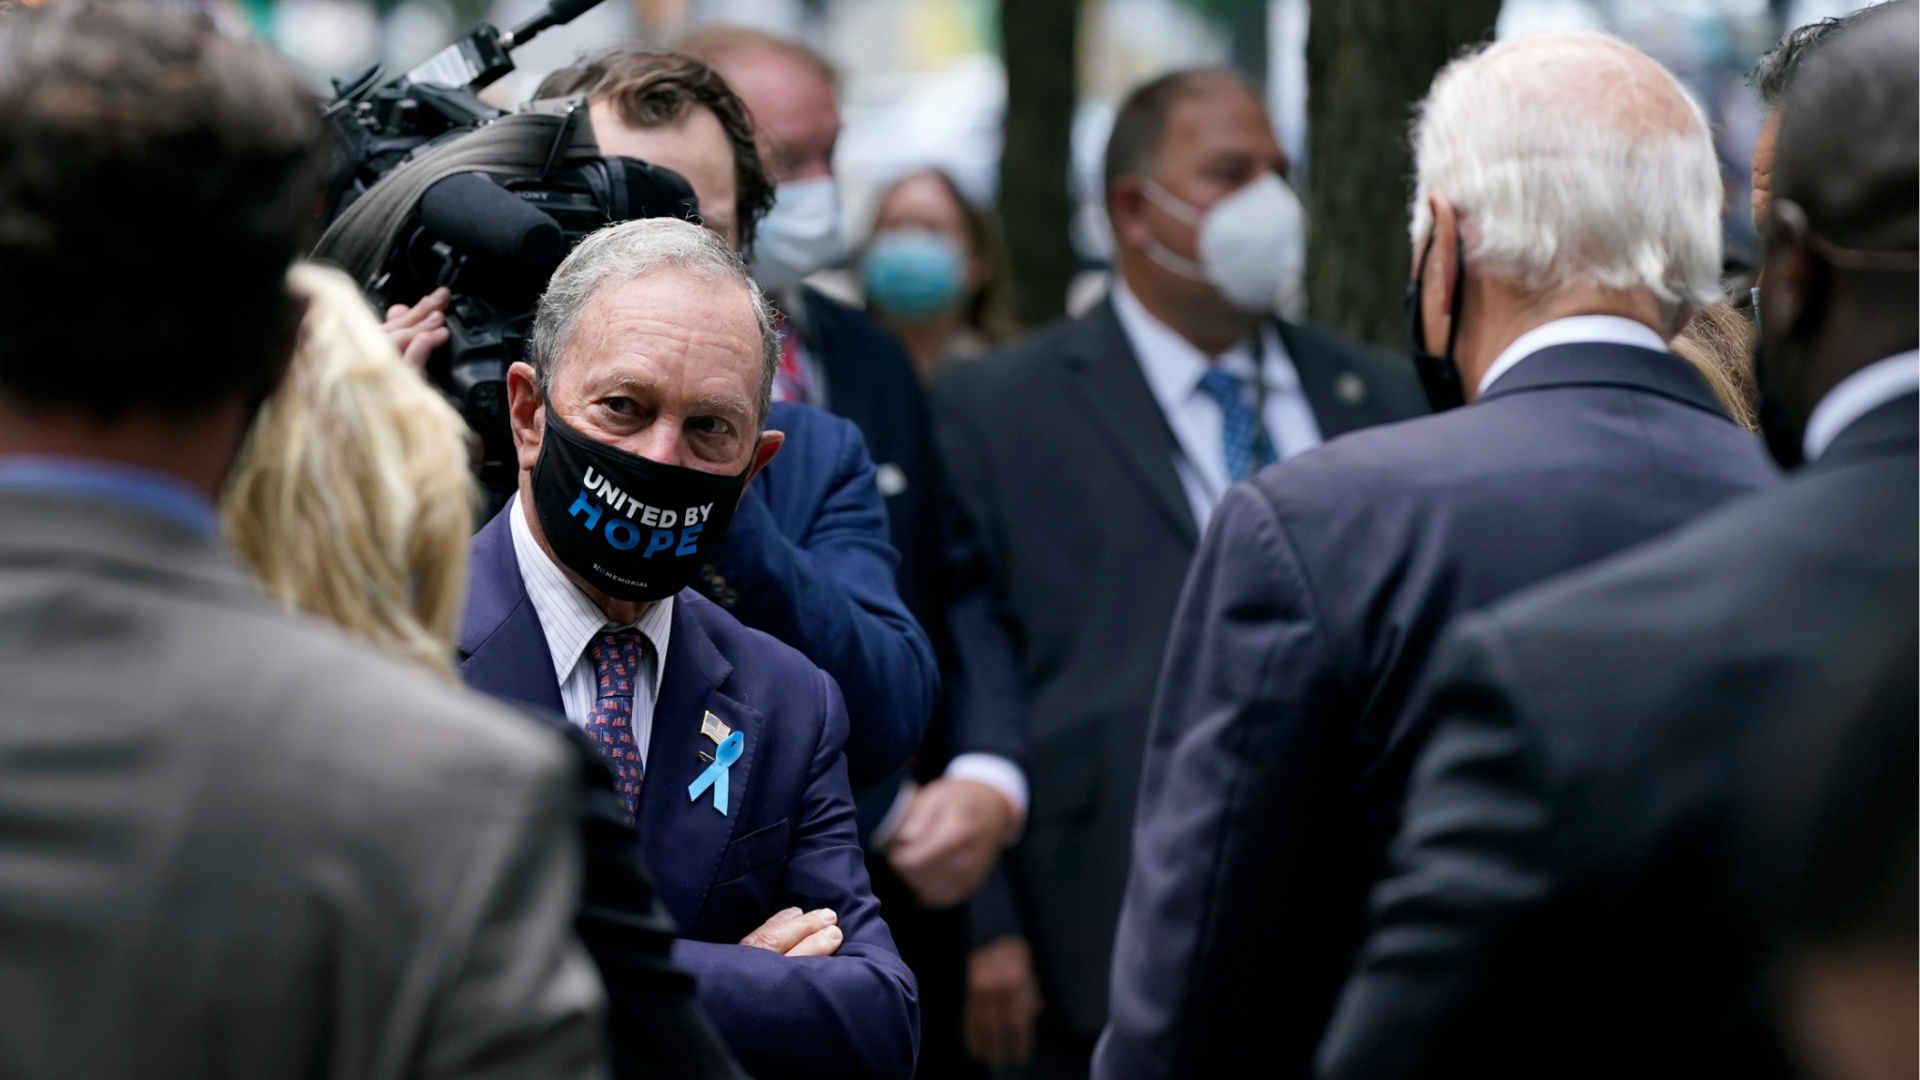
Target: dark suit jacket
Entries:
(1310, 610)
(943, 575)
(807, 560)
(1066, 464)
(1560, 900)
(789, 840)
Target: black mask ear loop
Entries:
(1439, 375)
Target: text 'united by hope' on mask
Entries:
(634, 528)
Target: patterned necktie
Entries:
(616, 656)
(790, 382)
(1242, 435)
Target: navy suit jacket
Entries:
(1311, 608)
(807, 560)
(788, 842)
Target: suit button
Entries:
(1349, 388)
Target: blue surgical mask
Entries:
(913, 273)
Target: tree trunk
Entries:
(1038, 40)
(1368, 63)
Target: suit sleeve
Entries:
(521, 997)
(984, 618)
(830, 593)
(1221, 936)
(1469, 860)
(852, 1015)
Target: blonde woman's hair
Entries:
(1718, 341)
(353, 498)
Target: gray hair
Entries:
(629, 250)
(1561, 187)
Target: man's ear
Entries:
(1127, 211)
(1787, 277)
(1436, 288)
(763, 451)
(526, 413)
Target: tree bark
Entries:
(1039, 42)
(1368, 63)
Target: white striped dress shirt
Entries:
(570, 620)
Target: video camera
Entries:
(492, 240)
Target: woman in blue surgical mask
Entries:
(929, 272)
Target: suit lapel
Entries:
(503, 648)
(1323, 377)
(684, 839)
(1104, 376)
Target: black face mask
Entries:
(1782, 354)
(1439, 377)
(1781, 425)
(633, 528)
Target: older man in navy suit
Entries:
(639, 422)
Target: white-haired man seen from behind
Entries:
(1566, 218)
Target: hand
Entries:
(791, 933)
(1003, 998)
(418, 330)
(948, 839)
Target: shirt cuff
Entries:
(998, 773)
(896, 812)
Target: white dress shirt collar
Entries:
(569, 618)
(1173, 368)
(1857, 395)
(1573, 330)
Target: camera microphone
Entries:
(557, 13)
(475, 214)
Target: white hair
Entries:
(629, 250)
(1564, 172)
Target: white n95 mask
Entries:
(800, 235)
(1252, 243)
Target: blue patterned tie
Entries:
(616, 656)
(1242, 435)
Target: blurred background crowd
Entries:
(923, 85)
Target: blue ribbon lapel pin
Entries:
(728, 744)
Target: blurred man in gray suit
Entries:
(231, 843)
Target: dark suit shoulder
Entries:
(1392, 369)
(815, 422)
(1747, 556)
(1405, 458)
(854, 336)
(1329, 363)
(1011, 368)
(1778, 601)
(763, 665)
(814, 435)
